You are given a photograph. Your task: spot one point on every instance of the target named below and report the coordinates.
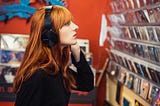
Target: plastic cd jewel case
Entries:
(13, 41)
(7, 74)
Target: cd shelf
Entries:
(125, 83)
(144, 15)
(141, 24)
(135, 9)
(136, 75)
(135, 44)
(141, 86)
(135, 59)
(141, 42)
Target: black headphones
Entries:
(49, 36)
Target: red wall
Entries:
(87, 15)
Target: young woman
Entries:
(44, 77)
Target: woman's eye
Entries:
(67, 24)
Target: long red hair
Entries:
(37, 56)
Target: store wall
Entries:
(87, 14)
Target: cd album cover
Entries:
(157, 14)
(13, 41)
(153, 75)
(142, 3)
(139, 69)
(134, 67)
(11, 57)
(134, 18)
(158, 32)
(138, 35)
(120, 61)
(112, 7)
(115, 58)
(114, 70)
(140, 51)
(145, 86)
(131, 4)
(146, 74)
(145, 16)
(146, 53)
(124, 62)
(151, 13)
(143, 32)
(129, 65)
(132, 32)
(151, 53)
(158, 75)
(139, 16)
(155, 34)
(158, 53)
(125, 32)
(130, 81)
(133, 49)
(136, 85)
(153, 93)
(157, 102)
(136, 3)
(7, 74)
(152, 34)
(122, 76)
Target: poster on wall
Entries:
(12, 47)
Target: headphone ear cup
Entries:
(49, 38)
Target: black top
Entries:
(42, 89)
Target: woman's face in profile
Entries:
(68, 34)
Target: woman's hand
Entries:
(75, 49)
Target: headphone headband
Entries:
(47, 19)
(49, 36)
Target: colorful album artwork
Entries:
(152, 34)
(157, 102)
(145, 86)
(132, 32)
(146, 53)
(158, 32)
(13, 41)
(144, 33)
(153, 93)
(130, 81)
(151, 13)
(11, 57)
(137, 32)
(122, 76)
(7, 74)
(137, 85)
(157, 14)
(153, 75)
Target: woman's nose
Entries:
(76, 27)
